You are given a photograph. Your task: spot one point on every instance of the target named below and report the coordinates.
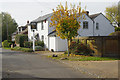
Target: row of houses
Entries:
(92, 25)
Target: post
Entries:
(33, 41)
(68, 46)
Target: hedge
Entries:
(28, 44)
(20, 39)
(117, 28)
(6, 43)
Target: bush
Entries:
(20, 39)
(28, 44)
(6, 43)
(79, 48)
(117, 28)
(39, 43)
(39, 48)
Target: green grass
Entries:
(82, 58)
(22, 49)
(6, 47)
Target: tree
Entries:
(113, 14)
(67, 21)
(9, 26)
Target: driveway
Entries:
(30, 65)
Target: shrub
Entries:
(28, 44)
(6, 43)
(39, 48)
(79, 49)
(39, 43)
(20, 39)
(117, 28)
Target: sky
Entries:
(24, 10)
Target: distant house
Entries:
(92, 25)
(20, 30)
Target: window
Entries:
(85, 25)
(42, 38)
(97, 26)
(42, 27)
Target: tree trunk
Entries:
(68, 47)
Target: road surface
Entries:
(31, 65)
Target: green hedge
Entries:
(38, 48)
(28, 44)
(6, 43)
(39, 43)
(20, 39)
(117, 28)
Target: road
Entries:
(31, 65)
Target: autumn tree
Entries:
(67, 21)
(113, 14)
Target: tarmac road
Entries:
(30, 65)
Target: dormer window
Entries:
(42, 27)
(97, 26)
(85, 25)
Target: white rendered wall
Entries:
(52, 43)
(61, 44)
(105, 27)
(86, 32)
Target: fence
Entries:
(104, 46)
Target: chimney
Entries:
(87, 12)
(27, 22)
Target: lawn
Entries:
(81, 58)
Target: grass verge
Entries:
(22, 49)
(81, 58)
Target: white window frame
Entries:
(97, 26)
(85, 25)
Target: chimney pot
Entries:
(87, 12)
(27, 22)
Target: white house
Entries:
(92, 25)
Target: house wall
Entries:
(61, 44)
(86, 32)
(46, 30)
(52, 43)
(105, 27)
(43, 32)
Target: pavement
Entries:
(21, 65)
(99, 69)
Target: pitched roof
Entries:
(93, 16)
(52, 33)
(41, 18)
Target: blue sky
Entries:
(24, 10)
